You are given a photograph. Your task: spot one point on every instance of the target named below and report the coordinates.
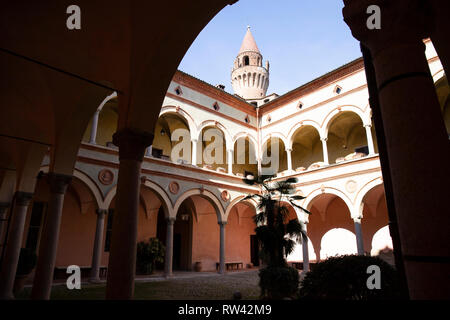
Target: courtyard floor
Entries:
(182, 286)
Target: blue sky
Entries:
(302, 39)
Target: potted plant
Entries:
(148, 253)
(27, 262)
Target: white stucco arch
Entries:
(211, 197)
(364, 116)
(307, 203)
(274, 135)
(359, 204)
(162, 195)
(90, 184)
(192, 126)
(108, 98)
(303, 123)
(218, 125)
(245, 135)
(237, 200)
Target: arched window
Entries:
(246, 61)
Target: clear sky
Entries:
(302, 39)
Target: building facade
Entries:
(321, 133)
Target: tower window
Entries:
(337, 90)
(216, 106)
(246, 61)
(247, 119)
(178, 91)
(300, 105)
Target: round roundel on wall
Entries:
(174, 187)
(106, 176)
(351, 186)
(225, 195)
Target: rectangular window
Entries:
(109, 225)
(37, 216)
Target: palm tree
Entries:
(276, 234)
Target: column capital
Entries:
(101, 212)
(325, 139)
(288, 149)
(401, 21)
(132, 143)
(23, 198)
(222, 223)
(58, 182)
(367, 125)
(170, 220)
(357, 219)
(194, 140)
(4, 206)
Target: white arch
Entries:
(235, 201)
(274, 135)
(359, 204)
(365, 117)
(290, 137)
(307, 203)
(205, 194)
(297, 254)
(87, 180)
(110, 97)
(216, 124)
(162, 195)
(183, 114)
(245, 135)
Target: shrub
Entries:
(27, 261)
(278, 282)
(345, 278)
(148, 253)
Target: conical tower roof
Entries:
(249, 44)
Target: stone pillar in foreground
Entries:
(169, 247)
(305, 248)
(222, 225)
(325, 150)
(48, 246)
(416, 140)
(98, 246)
(359, 236)
(122, 258)
(13, 244)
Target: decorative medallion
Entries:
(225, 195)
(174, 187)
(106, 176)
(351, 186)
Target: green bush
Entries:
(148, 253)
(345, 278)
(27, 261)
(278, 282)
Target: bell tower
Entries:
(249, 78)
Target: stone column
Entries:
(369, 139)
(4, 206)
(416, 141)
(49, 239)
(194, 152)
(222, 225)
(289, 159)
(98, 246)
(94, 127)
(305, 248)
(359, 236)
(325, 150)
(122, 258)
(148, 151)
(259, 166)
(230, 154)
(169, 247)
(13, 244)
